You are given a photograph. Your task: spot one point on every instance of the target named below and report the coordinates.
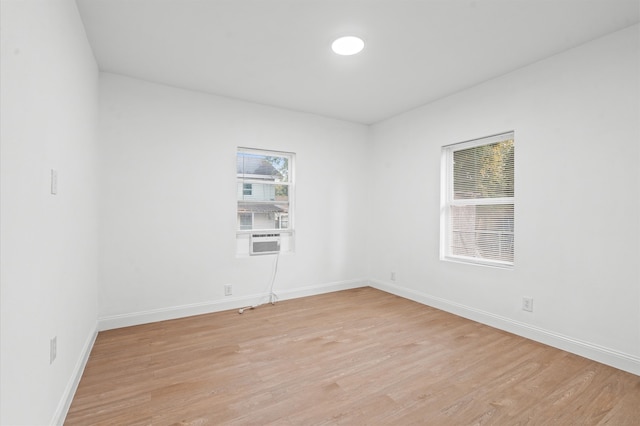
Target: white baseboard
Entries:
(173, 312)
(70, 390)
(592, 351)
(313, 290)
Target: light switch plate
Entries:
(54, 182)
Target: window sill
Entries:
(264, 231)
(479, 262)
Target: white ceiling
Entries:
(277, 52)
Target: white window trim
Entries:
(446, 201)
(291, 191)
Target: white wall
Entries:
(48, 251)
(168, 201)
(166, 196)
(576, 122)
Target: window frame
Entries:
(290, 191)
(447, 201)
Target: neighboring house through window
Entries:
(264, 180)
(478, 201)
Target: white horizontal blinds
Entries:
(484, 171)
(484, 232)
(481, 200)
(263, 180)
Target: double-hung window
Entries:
(477, 208)
(264, 195)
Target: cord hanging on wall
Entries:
(272, 297)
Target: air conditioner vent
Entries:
(264, 244)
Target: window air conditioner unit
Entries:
(264, 244)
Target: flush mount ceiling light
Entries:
(346, 46)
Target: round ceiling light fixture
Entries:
(347, 46)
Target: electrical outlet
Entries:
(393, 276)
(527, 304)
(228, 289)
(53, 349)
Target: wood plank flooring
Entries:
(352, 357)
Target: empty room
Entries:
(320, 212)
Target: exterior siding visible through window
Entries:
(478, 201)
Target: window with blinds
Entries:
(478, 201)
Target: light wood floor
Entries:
(352, 357)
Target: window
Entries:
(265, 182)
(477, 224)
(245, 220)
